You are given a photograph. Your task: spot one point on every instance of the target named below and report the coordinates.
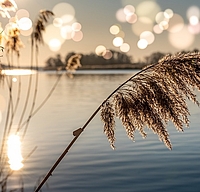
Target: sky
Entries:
(137, 37)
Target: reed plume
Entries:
(153, 97)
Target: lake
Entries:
(145, 165)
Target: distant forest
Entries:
(118, 60)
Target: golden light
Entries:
(118, 41)
(142, 44)
(14, 152)
(157, 29)
(100, 49)
(18, 72)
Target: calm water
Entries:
(91, 165)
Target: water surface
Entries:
(91, 165)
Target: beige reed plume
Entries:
(153, 97)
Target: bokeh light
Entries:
(142, 24)
(52, 32)
(193, 11)
(25, 23)
(125, 47)
(76, 26)
(132, 18)
(64, 11)
(129, 10)
(114, 29)
(22, 13)
(77, 36)
(54, 44)
(57, 22)
(26, 32)
(194, 20)
(148, 36)
(168, 13)
(66, 32)
(118, 41)
(148, 9)
(182, 39)
(176, 24)
(100, 49)
(121, 16)
(107, 54)
(157, 29)
(142, 44)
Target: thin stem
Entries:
(78, 132)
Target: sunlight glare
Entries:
(14, 152)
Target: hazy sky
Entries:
(97, 16)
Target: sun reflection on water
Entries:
(18, 72)
(14, 152)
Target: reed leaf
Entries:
(155, 96)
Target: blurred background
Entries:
(136, 28)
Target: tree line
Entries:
(93, 59)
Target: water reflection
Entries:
(14, 152)
(18, 72)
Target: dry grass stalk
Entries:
(153, 97)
